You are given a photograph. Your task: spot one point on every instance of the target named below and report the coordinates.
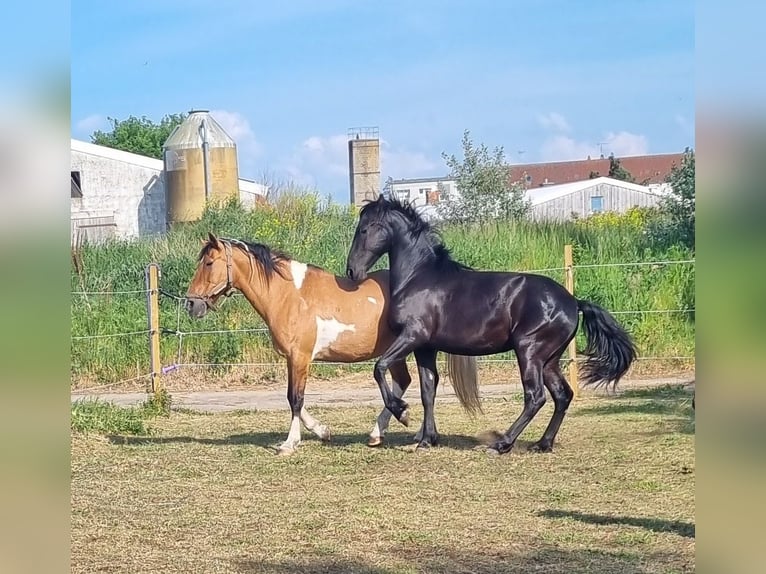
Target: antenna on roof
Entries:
(601, 148)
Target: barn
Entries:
(590, 196)
(117, 194)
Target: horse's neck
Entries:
(266, 297)
(401, 256)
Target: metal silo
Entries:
(200, 166)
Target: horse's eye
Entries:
(363, 231)
(208, 264)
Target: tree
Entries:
(484, 190)
(680, 204)
(138, 135)
(616, 171)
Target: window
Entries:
(424, 191)
(596, 204)
(402, 194)
(76, 187)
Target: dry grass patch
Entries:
(205, 493)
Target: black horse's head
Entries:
(373, 237)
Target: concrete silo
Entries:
(200, 167)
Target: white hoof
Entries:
(375, 441)
(323, 433)
(286, 450)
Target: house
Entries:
(645, 169)
(420, 191)
(119, 194)
(551, 202)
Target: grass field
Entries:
(205, 493)
(654, 302)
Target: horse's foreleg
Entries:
(322, 431)
(402, 346)
(429, 380)
(297, 371)
(401, 380)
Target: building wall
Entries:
(123, 194)
(614, 198)
(132, 193)
(364, 170)
(420, 193)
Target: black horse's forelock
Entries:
(418, 228)
(267, 258)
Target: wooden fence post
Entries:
(153, 313)
(572, 348)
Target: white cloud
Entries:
(621, 144)
(86, 126)
(401, 163)
(238, 128)
(322, 161)
(554, 121)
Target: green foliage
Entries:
(680, 205)
(616, 171)
(484, 190)
(320, 233)
(97, 416)
(138, 135)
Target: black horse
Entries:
(438, 304)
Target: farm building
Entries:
(584, 198)
(552, 202)
(123, 195)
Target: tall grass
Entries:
(321, 233)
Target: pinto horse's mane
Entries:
(418, 230)
(267, 258)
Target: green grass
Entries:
(206, 493)
(97, 416)
(322, 235)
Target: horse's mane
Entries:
(267, 257)
(418, 228)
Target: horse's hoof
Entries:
(541, 447)
(325, 435)
(493, 451)
(375, 441)
(285, 451)
(404, 418)
(423, 446)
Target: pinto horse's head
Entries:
(213, 277)
(373, 237)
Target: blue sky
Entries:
(551, 79)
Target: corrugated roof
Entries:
(188, 134)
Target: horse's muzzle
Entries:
(197, 308)
(355, 275)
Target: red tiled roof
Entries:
(643, 168)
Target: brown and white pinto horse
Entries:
(312, 315)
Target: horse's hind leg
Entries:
(531, 367)
(562, 396)
(401, 380)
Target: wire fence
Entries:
(181, 359)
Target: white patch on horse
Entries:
(372, 300)
(298, 270)
(294, 436)
(328, 331)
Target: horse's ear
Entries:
(212, 239)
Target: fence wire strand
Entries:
(178, 332)
(110, 335)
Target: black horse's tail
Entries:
(610, 349)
